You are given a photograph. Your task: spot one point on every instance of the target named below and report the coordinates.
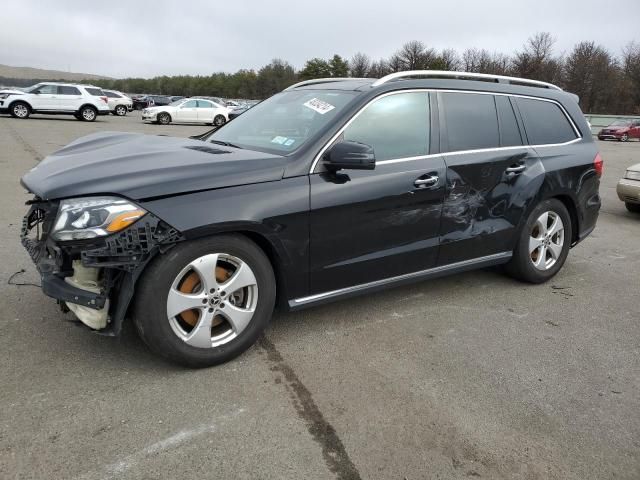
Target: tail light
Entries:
(598, 165)
(105, 99)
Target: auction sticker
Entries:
(319, 106)
(279, 140)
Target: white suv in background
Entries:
(119, 103)
(85, 102)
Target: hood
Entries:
(140, 166)
(634, 168)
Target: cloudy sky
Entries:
(147, 38)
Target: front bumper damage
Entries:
(95, 278)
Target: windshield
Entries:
(620, 123)
(284, 122)
(33, 88)
(177, 102)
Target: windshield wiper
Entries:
(226, 144)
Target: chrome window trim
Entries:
(458, 152)
(398, 278)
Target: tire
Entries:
(541, 252)
(164, 118)
(624, 137)
(20, 110)
(120, 110)
(219, 120)
(139, 106)
(161, 289)
(87, 113)
(632, 207)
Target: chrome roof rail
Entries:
(322, 80)
(464, 76)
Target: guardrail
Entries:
(600, 121)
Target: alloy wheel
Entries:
(624, 137)
(20, 110)
(88, 114)
(546, 240)
(212, 300)
(219, 120)
(121, 111)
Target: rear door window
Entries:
(65, 90)
(396, 126)
(204, 104)
(509, 130)
(545, 122)
(471, 120)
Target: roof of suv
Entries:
(66, 84)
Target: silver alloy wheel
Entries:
(624, 137)
(121, 110)
(212, 300)
(546, 240)
(164, 119)
(219, 120)
(20, 110)
(88, 114)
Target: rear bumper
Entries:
(628, 190)
(104, 112)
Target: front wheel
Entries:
(632, 207)
(624, 137)
(20, 110)
(205, 302)
(543, 244)
(164, 119)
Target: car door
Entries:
(369, 225)
(69, 98)
(45, 97)
(187, 112)
(491, 175)
(205, 111)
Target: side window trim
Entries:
(519, 125)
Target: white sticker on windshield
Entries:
(279, 140)
(289, 142)
(319, 106)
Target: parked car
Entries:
(85, 102)
(628, 188)
(119, 103)
(145, 101)
(188, 110)
(329, 189)
(176, 98)
(621, 130)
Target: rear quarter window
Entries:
(96, 92)
(545, 122)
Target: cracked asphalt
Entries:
(474, 375)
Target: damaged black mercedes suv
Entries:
(331, 188)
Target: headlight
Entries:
(90, 217)
(632, 175)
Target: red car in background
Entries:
(621, 130)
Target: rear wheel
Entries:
(219, 120)
(543, 244)
(632, 207)
(206, 301)
(88, 113)
(121, 110)
(20, 110)
(164, 118)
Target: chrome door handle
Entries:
(516, 169)
(425, 182)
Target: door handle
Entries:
(516, 168)
(425, 182)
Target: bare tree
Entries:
(360, 64)
(413, 55)
(482, 61)
(536, 60)
(379, 69)
(631, 76)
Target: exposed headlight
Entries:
(91, 217)
(4, 95)
(632, 175)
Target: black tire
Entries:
(87, 114)
(138, 106)
(120, 110)
(521, 264)
(219, 120)
(624, 137)
(150, 304)
(20, 110)
(164, 118)
(632, 207)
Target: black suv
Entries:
(328, 189)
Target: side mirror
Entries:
(350, 155)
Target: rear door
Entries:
(205, 111)
(369, 225)
(491, 175)
(69, 98)
(187, 112)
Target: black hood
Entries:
(143, 166)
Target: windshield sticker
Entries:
(289, 142)
(279, 140)
(319, 106)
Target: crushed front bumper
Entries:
(120, 258)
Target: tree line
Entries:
(606, 83)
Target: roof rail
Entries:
(464, 75)
(322, 80)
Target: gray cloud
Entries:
(136, 38)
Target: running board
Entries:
(480, 262)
